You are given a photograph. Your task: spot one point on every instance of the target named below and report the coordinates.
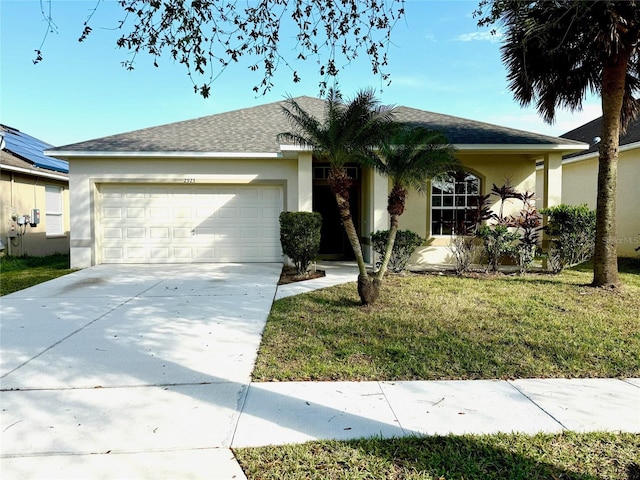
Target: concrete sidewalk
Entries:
(296, 412)
(144, 372)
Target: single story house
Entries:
(580, 180)
(34, 194)
(211, 189)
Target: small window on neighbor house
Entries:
(453, 197)
(54, 210)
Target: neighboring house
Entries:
(211, 189)
(32, 185)
(580, 180)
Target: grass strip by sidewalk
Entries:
(588, 456)
(17, 273)
(429, 327)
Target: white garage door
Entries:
(182, 224)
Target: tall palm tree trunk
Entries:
(368, 289)
(388, 249)
(605, 260)
(395, 206)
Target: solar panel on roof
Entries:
(31, 149)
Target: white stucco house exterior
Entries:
(211, 189)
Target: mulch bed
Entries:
(289, 275)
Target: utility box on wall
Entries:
(10, 228)
(35, 217)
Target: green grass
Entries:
(591, 456)
(17, 273)
(427, 327)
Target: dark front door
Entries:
(334, 244)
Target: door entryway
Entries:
(334, 244)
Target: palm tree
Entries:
(413, 156)
(349, 131)
(554, 53)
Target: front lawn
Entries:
(567, 456)
(17, 273)
(428, 327)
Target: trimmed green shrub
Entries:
(498, 242)
(572, 232)
(406, 242)
(300, 237)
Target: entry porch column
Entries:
(552, 189)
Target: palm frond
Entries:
(348, 131)
(555, 52)
(307, 128)
(413, 156)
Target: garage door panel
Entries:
(182, 212)
(135, 253)
(113, 233)
(112, 212)
(181, 232)
(112, 253)
(190, 224)
(156, 233)
(183, 253)
(205, 254)
(159, 253)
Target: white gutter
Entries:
(508, 148)
(37, 173)
(295, 148)
(73, 153)
(521, 147)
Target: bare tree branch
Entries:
(207, 36)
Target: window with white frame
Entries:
(453, 199)
(54, 210)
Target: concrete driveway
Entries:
(132, 371)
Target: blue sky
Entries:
(439, 61)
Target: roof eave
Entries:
(494, 148)
(596, 154)
(36, 173)
(159, 154)
(521, 148)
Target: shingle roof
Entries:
(587, 132)
(255, 130)
(462, 131)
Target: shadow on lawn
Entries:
(625, 265)
(472, 457)
(452, 457)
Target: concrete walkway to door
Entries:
(130, 371)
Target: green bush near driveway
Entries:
(300, 237)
